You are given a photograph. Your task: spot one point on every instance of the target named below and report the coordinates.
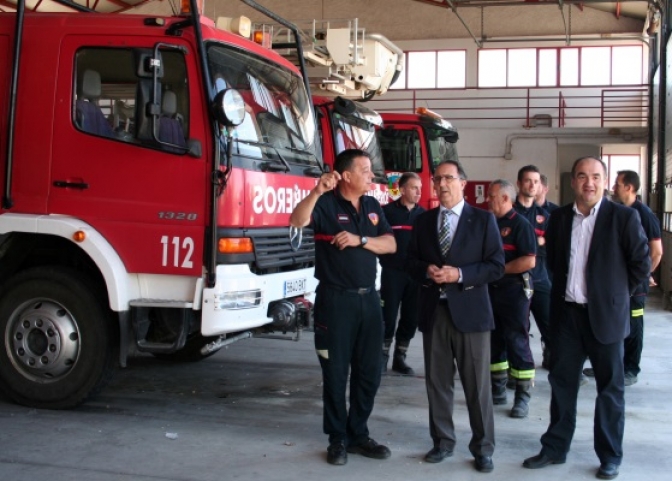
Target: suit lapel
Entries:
(603, 216)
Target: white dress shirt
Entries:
(582, 234)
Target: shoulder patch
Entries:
(373, 217)
(505, 231)
(541, 219)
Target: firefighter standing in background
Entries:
(396, 286)
(529, 183)
(510, 298)
(350, 231)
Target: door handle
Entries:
(71, 185)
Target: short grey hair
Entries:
(505, 187)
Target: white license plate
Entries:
(294, 287)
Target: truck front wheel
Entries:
(58, 338)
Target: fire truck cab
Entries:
(149, 167)
(416, 143)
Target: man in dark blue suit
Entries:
(598, 254)
(455, 251)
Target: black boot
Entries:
(521, 402)
(386, 355)
(498, 381)
(399, 360)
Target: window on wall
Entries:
(433, 69)
(618, 162)
(567, 66)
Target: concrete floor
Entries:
(253, 411)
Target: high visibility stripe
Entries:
(402, 227)
(527, 374)
(499, 366)
(637, 312)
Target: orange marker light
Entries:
(235, 245)
(79, 236)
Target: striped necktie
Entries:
(445, 233)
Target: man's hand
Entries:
(345, 239)
(327, 182)
(443, 275)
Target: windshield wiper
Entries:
(272, 164)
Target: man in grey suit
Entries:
(455, 251)
(598, 254)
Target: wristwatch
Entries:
(364, 240)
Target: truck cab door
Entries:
(146, 198)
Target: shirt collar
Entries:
(593, 211)
(457, 208)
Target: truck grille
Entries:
(273, 252)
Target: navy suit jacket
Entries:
(476, 249)
(618, 261)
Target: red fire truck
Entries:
(148, 166)
(417, 143)
(344, 64)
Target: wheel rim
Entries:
(42, 340)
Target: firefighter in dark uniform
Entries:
(350, 232)
(510, 353)
(529, 183)
(396, 286)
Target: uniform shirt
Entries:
(549, 206)
(518, 237)
(538, 218)
(651, 227)
(352, 267)
(401, 220)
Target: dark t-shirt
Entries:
(401, 220)
(538, 218)
(352, 267)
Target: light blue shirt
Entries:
(454, 219)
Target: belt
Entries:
(358, 290)
(577, 304)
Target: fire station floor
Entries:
(254, 411)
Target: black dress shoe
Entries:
(607, 471)
(437, 454)
(336, 454)
(483, 464)
(370, 449)
(540, 461)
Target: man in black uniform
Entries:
(396, 286)
(529, 181)
(350, 231)
(541, 199)
(625, 191)
(509, 296)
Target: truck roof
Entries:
(53, 6)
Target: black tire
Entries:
(191, 352)
(59, 341)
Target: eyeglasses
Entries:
(448, 178)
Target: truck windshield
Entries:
(279, 125)
(358, 131)
(439, 148)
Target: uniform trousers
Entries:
(396, 287)
(510, 341)
(634, 343)
(541, 308)
(573, 340)
(348, 336)
(444, 347)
